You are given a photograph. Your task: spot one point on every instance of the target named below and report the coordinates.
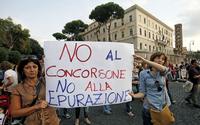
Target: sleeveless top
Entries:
(27, 93)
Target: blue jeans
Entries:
(62, 112)
(128, 107)
(146, 117)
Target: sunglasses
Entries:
(32, 57)
(158, 86)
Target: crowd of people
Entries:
(26, 86)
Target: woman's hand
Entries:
(41, 104)
(131, 94)
(138, 58)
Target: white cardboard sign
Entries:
(81, 74)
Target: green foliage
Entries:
(71, 31)
(105, 13)
(59, 36)
(14, 57)
(36, 49)
(74, 27)
(12, 35)
(15, 39)
(3, 54)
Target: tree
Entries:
(72, 31)
(59, 36)
(14, 57)
(12, 35)
(3, 54)
(36, 49)
(104, 14)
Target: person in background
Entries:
(144, 66)
(9, 77)
(63, 113)
(28, 97)
(177, 72)
(169, 79)
(194, 77)
(107, 109)
(10, 80)
(86, 119)
(152, 85)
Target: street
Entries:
(185, 114)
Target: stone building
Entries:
(147, 33)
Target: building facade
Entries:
(138, 27)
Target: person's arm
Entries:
(159, 67)
(137, 95)
(18, 111)
(141, 87)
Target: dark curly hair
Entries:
(23, 62)
(158, 54)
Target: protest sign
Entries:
(81, 74)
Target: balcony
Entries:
(161, 42)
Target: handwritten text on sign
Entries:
(80, 74)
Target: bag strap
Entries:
(38, 86)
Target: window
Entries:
(145, 46)
(140, 46)
(144, 20)
(150, 35)
(140, 31)
(104, 30)
(115, 36)
(145, 34)
(131, 32)
(130, 18)
(115, 24)
(122, 21)
(122, 34)
(150, 48)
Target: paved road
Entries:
(185, 114)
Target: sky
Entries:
(45, 17)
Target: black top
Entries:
(192, 72)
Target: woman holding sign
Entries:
(153, 90)
(28, 97)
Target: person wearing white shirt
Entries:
(10, 80)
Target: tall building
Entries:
(138, 27)
(178, 39)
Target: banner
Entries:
(81, 74)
